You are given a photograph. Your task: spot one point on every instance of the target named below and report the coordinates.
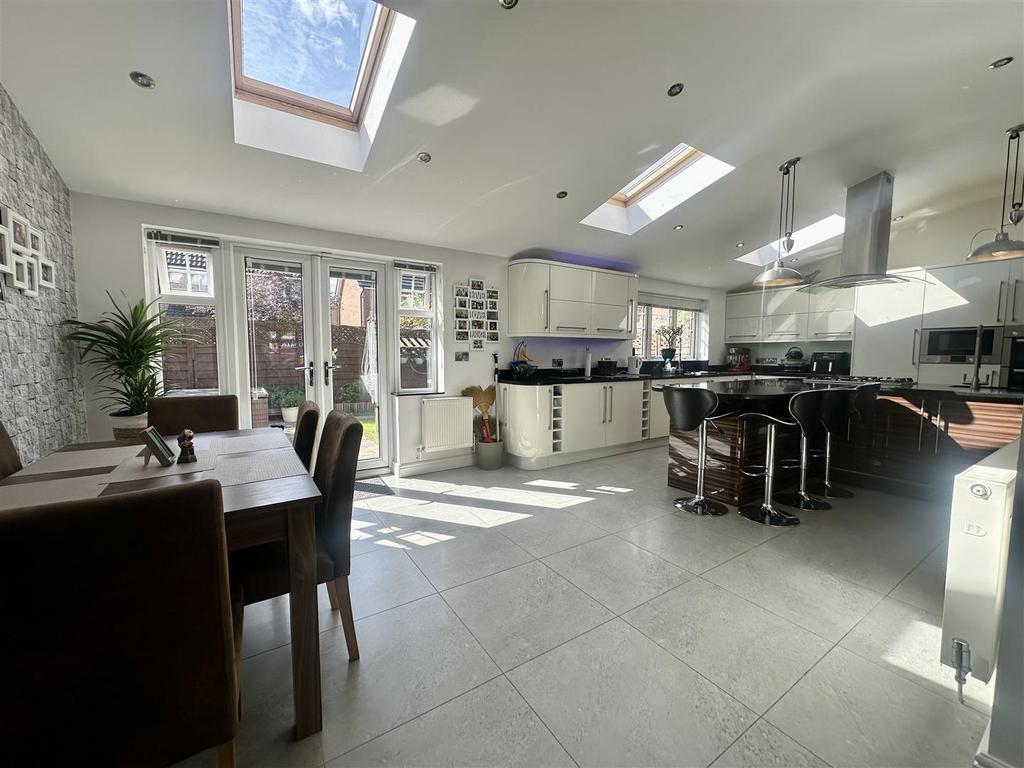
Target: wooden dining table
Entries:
(268, 497)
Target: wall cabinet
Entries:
(887, 327)
(786, 301)
(836, 324)
(968, 294)
(742, 328)
(831, 300)
(788, 327)
(744, 304)
(789, 314)
(552, 299)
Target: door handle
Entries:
(547, 309)
(310, 367)
(999, 302)
(613, 330)
(327, 373)
(913, 346)
(611, 403)
(570, 327)
(604, 405)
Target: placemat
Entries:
(253, 467)
(64, 461)
(49, 492)
(135, 469)
(275, 438)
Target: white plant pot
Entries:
(290, 415)
(127, 427)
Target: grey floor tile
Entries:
(807, 596)
(520, 613)
(467, 555)
(412, 659)
(489, 726)
(765, 746)
(851, 712)
(384, 579)
(614, 513)
(735, 525)
(614, 698)
(267, 624)
(616, 573)
(907, 640)
(925, 586)
(545, 533)
(750, 653)
(684, 542)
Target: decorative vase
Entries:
(127, 426)
(668, 353)
(489, 455)
(290, 415)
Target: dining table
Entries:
(268, 496)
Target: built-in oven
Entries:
(956, 345)
(1011, 371)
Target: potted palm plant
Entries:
(125, 347)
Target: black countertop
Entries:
(997, 394)
(541, 379)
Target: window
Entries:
(687, 324)
(185, 272)
(317, 59)
(674, 162)
(417, 328)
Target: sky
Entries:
(312, 47)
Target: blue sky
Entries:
(309, 46)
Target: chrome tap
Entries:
(975, 377)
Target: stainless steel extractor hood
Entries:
(865, 255)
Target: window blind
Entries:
(416, 266)
(673, 302)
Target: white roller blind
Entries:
(673, 302)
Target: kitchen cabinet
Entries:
(1014, 313)
(529, 282)
(572, 284)
(887, 327)
(625, 409)
(527, 417)
(967, 294)
(786, 301)
(571, 317)
(744, 304)
(742, 328)
(785, 327)
(836, 324)
(659, 419)
(584, 409)
(832, 299)
(610, 318)
(609, 288)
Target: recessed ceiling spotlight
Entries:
(675, 89)
(562, 195)
(898, 218)
(794, 260)
(1000, 63)
(423, 157)
(677, 226)
(739, 245)
(142, 80)
(508, 5)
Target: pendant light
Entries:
(1003, 247)
(778, 275)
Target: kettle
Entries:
(794, 353)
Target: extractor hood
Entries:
(865, 255)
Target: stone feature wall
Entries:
(41, 396)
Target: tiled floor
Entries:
(572, 617)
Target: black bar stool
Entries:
(836, 411)
(764, 512)
(805, 408)
(690, 409)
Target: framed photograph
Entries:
(462, 357)
(461, 304)
(492, 316)
(477, 305)
(462, 335)
(158, 446)
(6, 257)
(47, 273)
(492, 305)
(492, 325)
(19, 232)
(462, 325)
(478, 343)
(31, 277)
(492, 294)
(492, 337)
(477, 325)
(36, 242)
(20, 272)
(476, 285)
(462, 291)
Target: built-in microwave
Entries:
(956, 345)
(1011, 374)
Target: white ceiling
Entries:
(517, 105)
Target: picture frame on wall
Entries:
(36, 242)
(47, 274)
(20, 273)
(6, 256)
(31, 277)
(19, 232)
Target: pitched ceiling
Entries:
(517, 105)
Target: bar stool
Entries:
(836, 411)
(806, 407)
(764, 512)
(690, 409)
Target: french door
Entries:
(313, 331)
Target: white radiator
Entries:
(446, 423)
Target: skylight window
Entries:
(808, 237)
(674, 178)
(314, 58)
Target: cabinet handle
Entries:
(743, 336)
(547, 309)
(604, 405)
(631, 317)
(614, 330)
(1013, 303)
(611, 404)
(999, 301)
(570, 327)
(913, 346)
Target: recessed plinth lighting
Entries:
(739, 245)
(142, 80)
(562, 195)
(677, 227)
(898, 218)
(675, 89)
(1000, 63)
(423, 157)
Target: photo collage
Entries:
(476, 314)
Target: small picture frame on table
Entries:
(157, 446)
(19, 227)
(47, 274)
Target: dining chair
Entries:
(305, 431)
(117, 645)
(200, 413)
(260, 573)
(10, 461)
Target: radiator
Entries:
(446, 423)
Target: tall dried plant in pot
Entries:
(125, 347)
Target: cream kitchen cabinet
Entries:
(744, 304)
(611, 319)
(572, 284)
(785, 327)
(601, 414)
(742, 328)
(786, 301)
(660, 422)
(625, 412)
(887, 327)
(571, 317)
(529, 313)
(837, 324)
(832, 299)
(527, 419)
(967, 294)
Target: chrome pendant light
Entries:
(1002, 247)
(778, 275)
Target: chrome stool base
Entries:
(699, 506)
(801, 501)
(829, 491)
(766, 514)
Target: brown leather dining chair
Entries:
(116, 645)
(260, 573)
(200, 413)
(305, 431)
(10, 461)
